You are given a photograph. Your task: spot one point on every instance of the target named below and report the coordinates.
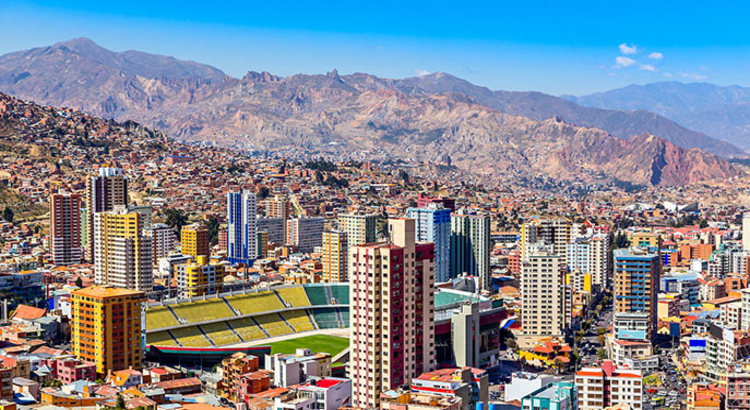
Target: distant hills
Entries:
(496, 134)
(720, 111)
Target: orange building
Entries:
(700, 251)
(232, 368)
(106, 327)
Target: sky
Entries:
(527, 45)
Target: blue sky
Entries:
(524, 45)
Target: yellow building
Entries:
(194, 240)
(106, 327)
(579, 281)
(334, 256)
(199, 278)
(645, 240)
(123, 255)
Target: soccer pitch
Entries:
(316, 343)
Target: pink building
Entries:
(392, 336)
(72, 370)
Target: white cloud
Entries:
(692, 76)
(656, 56)
(420, 73)
(668, 75)
(628, 49)
(621, 62)
(647, 67)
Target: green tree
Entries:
(601, 331)
(558, 364)
(79, 283)
(404, 176)
(175, 218)
(213, 225)
(704, 224)
(8, 214)
(263, 193)
(601, 353)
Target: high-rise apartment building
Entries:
(470, 247)
(555, 232)
(359, 228)
(746, 232)
(608, 386)
(65, 228)
(543, 307)
(276, 228)
(278, 207)
(262, 244)
(242, 228)
(636, 284)
(392, 332)
(335, 254)
(163, 240)
(103, 191)
(433, 224)
(124, 254)
(106, 327)
(590, 255)
(305, 233)
(199, 278)
(194, 240)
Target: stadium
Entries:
(201, 331)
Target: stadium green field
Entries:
(316, 343)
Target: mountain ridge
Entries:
(720, 111)
(423, 118)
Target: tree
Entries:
(601, 331)
(704, 224)
(511, 343)
(404, 176)
(600, 339)
(213, 225)
(558, 364)
(601, 353)
(120, 404)
(175, 218)
(8, 214)
(79, 283)
(263, 193)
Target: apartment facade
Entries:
(106, 327)
(391, 312)
(305, 233)
(335, 254)
(543, 297)
(359, 228)
(433, 224)
(242, 228)
(103, 192)
(636, 283)
(163, 240)
(199, 278)
(65, 228)
(608, 386)
(194, 240)
(124, 255)
(470, 247)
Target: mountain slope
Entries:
(720, 111)
(423, 119)
(539, 106)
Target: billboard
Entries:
(628, 334)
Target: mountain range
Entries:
(497, 134)
(722, 112)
